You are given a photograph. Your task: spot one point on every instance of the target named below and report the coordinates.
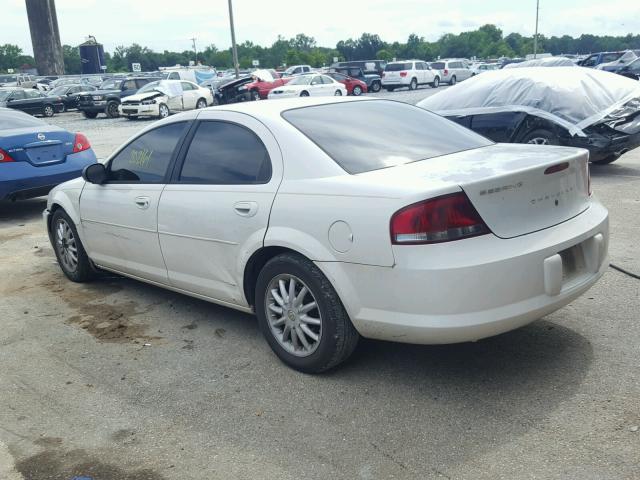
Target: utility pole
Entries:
(233, 42)
(535, 38)
(195, 50)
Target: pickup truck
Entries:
(107, 98)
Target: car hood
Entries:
(144, 96)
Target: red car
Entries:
(354, 86)
(264, 82)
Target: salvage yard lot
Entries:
(120, 380)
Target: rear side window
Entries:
(397, 133)
(396, 67)
(223, 153)
(146, 159)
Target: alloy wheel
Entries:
(66, 245)
(357, 91)
(48, 111)
(293, 315)
(538, 141)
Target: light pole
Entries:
(195, 50)
(233, 41)
(535, 38)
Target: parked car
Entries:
(631, 70)
(625, 59)
(354, 86)
(542, 62)
(569, 106)
(307, 85)
(373, 81)
(453, 71)
(296, 70)
(36, 156)
(164, 97)
(328, 231)
(70, 95)
(107, 98)
(263, 82)
(368, 66)
(18, 80)
(410, 74)
(483, 67)
(233, 90)
(30, 101)
(596, 59)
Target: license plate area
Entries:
(573, 263)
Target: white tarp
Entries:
(574, 97)
(171, 88)
(543, 62)
(263, 75)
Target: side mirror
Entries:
(95, 173)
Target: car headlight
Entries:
(242, 88)
(98, 97)
(148, 102)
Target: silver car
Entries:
(453, 70)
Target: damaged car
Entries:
(164, 97)
(569, 106)
(233, 91)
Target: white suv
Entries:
(409, 73)
(453, 70)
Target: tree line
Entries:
(487, 42)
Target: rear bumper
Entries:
(22, 180)
(475, 288)
(601, 147)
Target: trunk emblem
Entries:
(41, 136)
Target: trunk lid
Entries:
(48, 146)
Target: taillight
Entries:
(440, 219)
(588, 174)
(446, 72)
(403, 74)
(81, 143)
(5, 157)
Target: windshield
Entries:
(4, 94)
(397, 133)
(289, 71)
(149, 87)
(610, 57)
(110, 85)
(301, 80)
(396, 67)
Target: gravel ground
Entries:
(118, 380)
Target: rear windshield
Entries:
(396, 67)
(610, 57)
(437, 65)
(397, 133)
(18, 120)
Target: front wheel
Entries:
(48, 111)
(540, 136)
(163, 110)
(202, 103)
(301, 315)
(112, 110)
(70, 252)
(414, 84)
(435, 83)
(357, 91)
(338, 93)
(304, 94)
(255, 95)
(375, 87)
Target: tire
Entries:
(48, 111)
(435, 83)
(64, 238)
(376, 87)
(540, 136)
(338, 93)
(304, 94)
(357, 91)
(112, 109)
(389, 89)
(413, 84)
(90, 114)
(132, 117)
(255, 95)
(163, 110)
(606, 161)
(201, 103)
(335, 336)
(62, 109)
(453, 80)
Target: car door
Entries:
(214, 214)
(18, 101)
(119, 217)
(189, 96)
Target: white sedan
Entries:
(164, 97)
(413, 230)
(309, 85)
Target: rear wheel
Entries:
(304, 94)
(541, 136)
(453, 80)
(435, 83)
(338, 93)
(357, 90)
(90, 114)
(414, 84)
(72, 258)
(112, 109)
(48, 111)
(375, 87)
(301, 315)
(202, 103)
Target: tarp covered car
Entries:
(571, 106)
(543, 62)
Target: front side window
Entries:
(145, 159)
(32, 94)
(396, 134)
(129, 85)
(186, 86)
(224, 153)
(18, 95)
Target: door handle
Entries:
(142, 202)
(246, 209)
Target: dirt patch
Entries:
(48, 442)
(7, 237)
(65, 465)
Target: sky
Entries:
(169, 25)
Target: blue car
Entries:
(36, 156)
